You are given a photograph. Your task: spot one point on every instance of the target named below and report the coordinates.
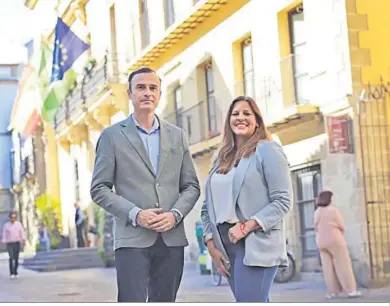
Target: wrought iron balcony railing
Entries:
(200, 122)
(95, 78)
(192, 120)
(94, 81)
(75, 103)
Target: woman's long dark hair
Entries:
(228, 154)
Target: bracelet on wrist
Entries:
(242, 228)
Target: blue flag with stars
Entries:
(67, 49)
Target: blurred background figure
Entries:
(44, 237)
(336, 262)
(80, 221)
(95, 239)
(13, 238)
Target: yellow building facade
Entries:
(305, 62)
(368, 41)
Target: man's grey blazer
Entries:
(122, 162)
(262, 190)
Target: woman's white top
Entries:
(222, 195)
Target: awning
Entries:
(294, 116)
(205, 15)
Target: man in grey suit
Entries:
(148, 162)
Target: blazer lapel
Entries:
(165, 146)
(131, 133)
(239, 177)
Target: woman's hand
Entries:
(250, 226)
(236, 233)
(218, 259)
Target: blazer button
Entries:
(157, 185)
(157, 205)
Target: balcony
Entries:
(74, 103)
(94, 81)
(192, 120)
(99, 80)
(61, 116)
(202, 123)
(295, 80)
(297, 108)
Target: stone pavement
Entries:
(98, 285)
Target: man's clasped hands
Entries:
(155, 219)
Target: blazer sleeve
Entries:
(205, 217)
(189, 188)
(277, 176)
(103, 180)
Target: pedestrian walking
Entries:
(248, 193)
(80, 226)
(14, 238)
(336, 262)
(44, 237)
(148, 162)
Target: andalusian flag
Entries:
(67, 49)
(32, 89)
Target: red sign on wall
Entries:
(340, 134)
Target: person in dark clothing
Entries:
(80, 222)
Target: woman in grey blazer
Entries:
(248, 193)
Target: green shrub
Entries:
(49, 211)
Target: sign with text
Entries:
(340, 134)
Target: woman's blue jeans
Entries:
(248, 283)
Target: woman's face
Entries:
(242, 120)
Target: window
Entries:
(5, 71)
(169, 13)
(178, 97)
(189, 126)
(144, 23)
(308, 185)
(298, 50)
(114, 51)
(178, 105)
(247, 67)
(76, 181)
(211, 102)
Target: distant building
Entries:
(9, 75)
(32, 201)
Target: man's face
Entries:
(145, 92)
(13, 218)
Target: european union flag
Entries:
(67, 48)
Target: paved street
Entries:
(98, 285)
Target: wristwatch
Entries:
(177, 217)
